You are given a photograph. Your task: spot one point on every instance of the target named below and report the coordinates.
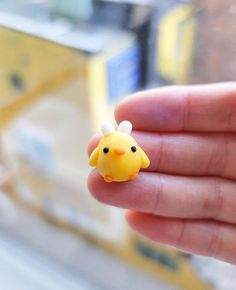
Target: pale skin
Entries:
(187, 196)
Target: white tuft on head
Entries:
(107, 128)
(125, 127)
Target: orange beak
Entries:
(119, 151)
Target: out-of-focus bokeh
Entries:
(64, 65)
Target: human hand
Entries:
(187, 197)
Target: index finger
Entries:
(201, 108)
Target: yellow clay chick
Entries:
(118, 156)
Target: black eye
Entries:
(105, 150)
(133, 149)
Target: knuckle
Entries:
(213, 204)
(180, 239)
(186, 108)
(158, 194)
(216, 243)
(159, 154)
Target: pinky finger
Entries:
(202, 237)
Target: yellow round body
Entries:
(119, 168)
(118, 157)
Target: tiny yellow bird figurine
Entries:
(118, 156)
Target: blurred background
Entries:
(64, 64)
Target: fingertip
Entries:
(93, 182)
(93, 143)
(100, 189)
(137, 220)
(131, 216)
(119, 112)
(120, 194)
(132, 219)
(124, 108)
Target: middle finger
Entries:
(170, 196)
(190, 154)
